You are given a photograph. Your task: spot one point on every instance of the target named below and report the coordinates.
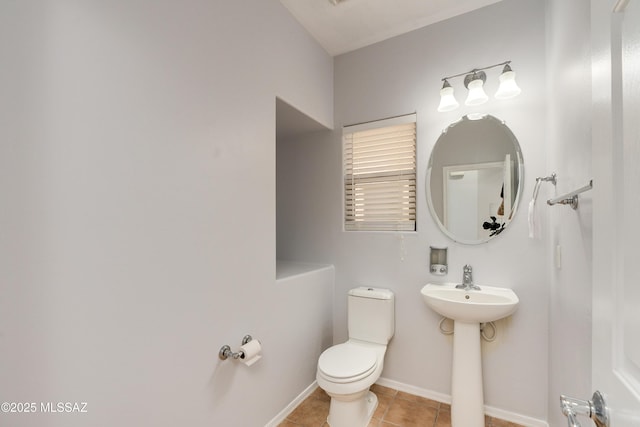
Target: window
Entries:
(380, 175)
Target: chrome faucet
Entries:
(467, 280)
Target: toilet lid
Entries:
(347, 362)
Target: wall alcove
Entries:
(300, 149)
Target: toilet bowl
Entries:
(346, 371)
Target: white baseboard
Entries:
(433, 395)
(429, 394)
(282, 415)
(445, 398)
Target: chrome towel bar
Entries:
(571, 198)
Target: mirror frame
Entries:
(520, 174)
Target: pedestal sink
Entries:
(468, 308)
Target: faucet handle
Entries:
(466, 268)
(596, 409)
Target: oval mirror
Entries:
(474, 179)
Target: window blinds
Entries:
(380, 175)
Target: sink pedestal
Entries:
(467, 399)
(468, 308)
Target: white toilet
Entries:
(347, 370)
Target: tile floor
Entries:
(395, 409)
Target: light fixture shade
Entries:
(448, 102)
(476, 93)
(508, 87)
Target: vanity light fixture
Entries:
(474, 82)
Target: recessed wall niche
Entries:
(302, 157)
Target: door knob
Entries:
(595, 408)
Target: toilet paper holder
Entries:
(226, 352)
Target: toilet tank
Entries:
(371, 314)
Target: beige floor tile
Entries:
(384, 400)
(310, 413)
(497, 422)
(395, 409)
(380, 389)
(444, 419)
(419, 399)
(445, 407)
(409, 413)
(319, 393)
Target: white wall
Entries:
(400, 76)
(137, 154)
(570, 156)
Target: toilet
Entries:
(347, 370)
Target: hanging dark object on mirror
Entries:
(494, 226)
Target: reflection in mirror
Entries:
(474, 180)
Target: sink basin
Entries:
(486, 305)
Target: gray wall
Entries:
(570, 155)
(304, 202)
(137, 154)
(402, 75)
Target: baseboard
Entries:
(445, 398)
(433, 395)
(513, 417)
(282, 415)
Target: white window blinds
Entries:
(380, 175)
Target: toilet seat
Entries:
(344, 363)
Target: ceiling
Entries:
(352, 24)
